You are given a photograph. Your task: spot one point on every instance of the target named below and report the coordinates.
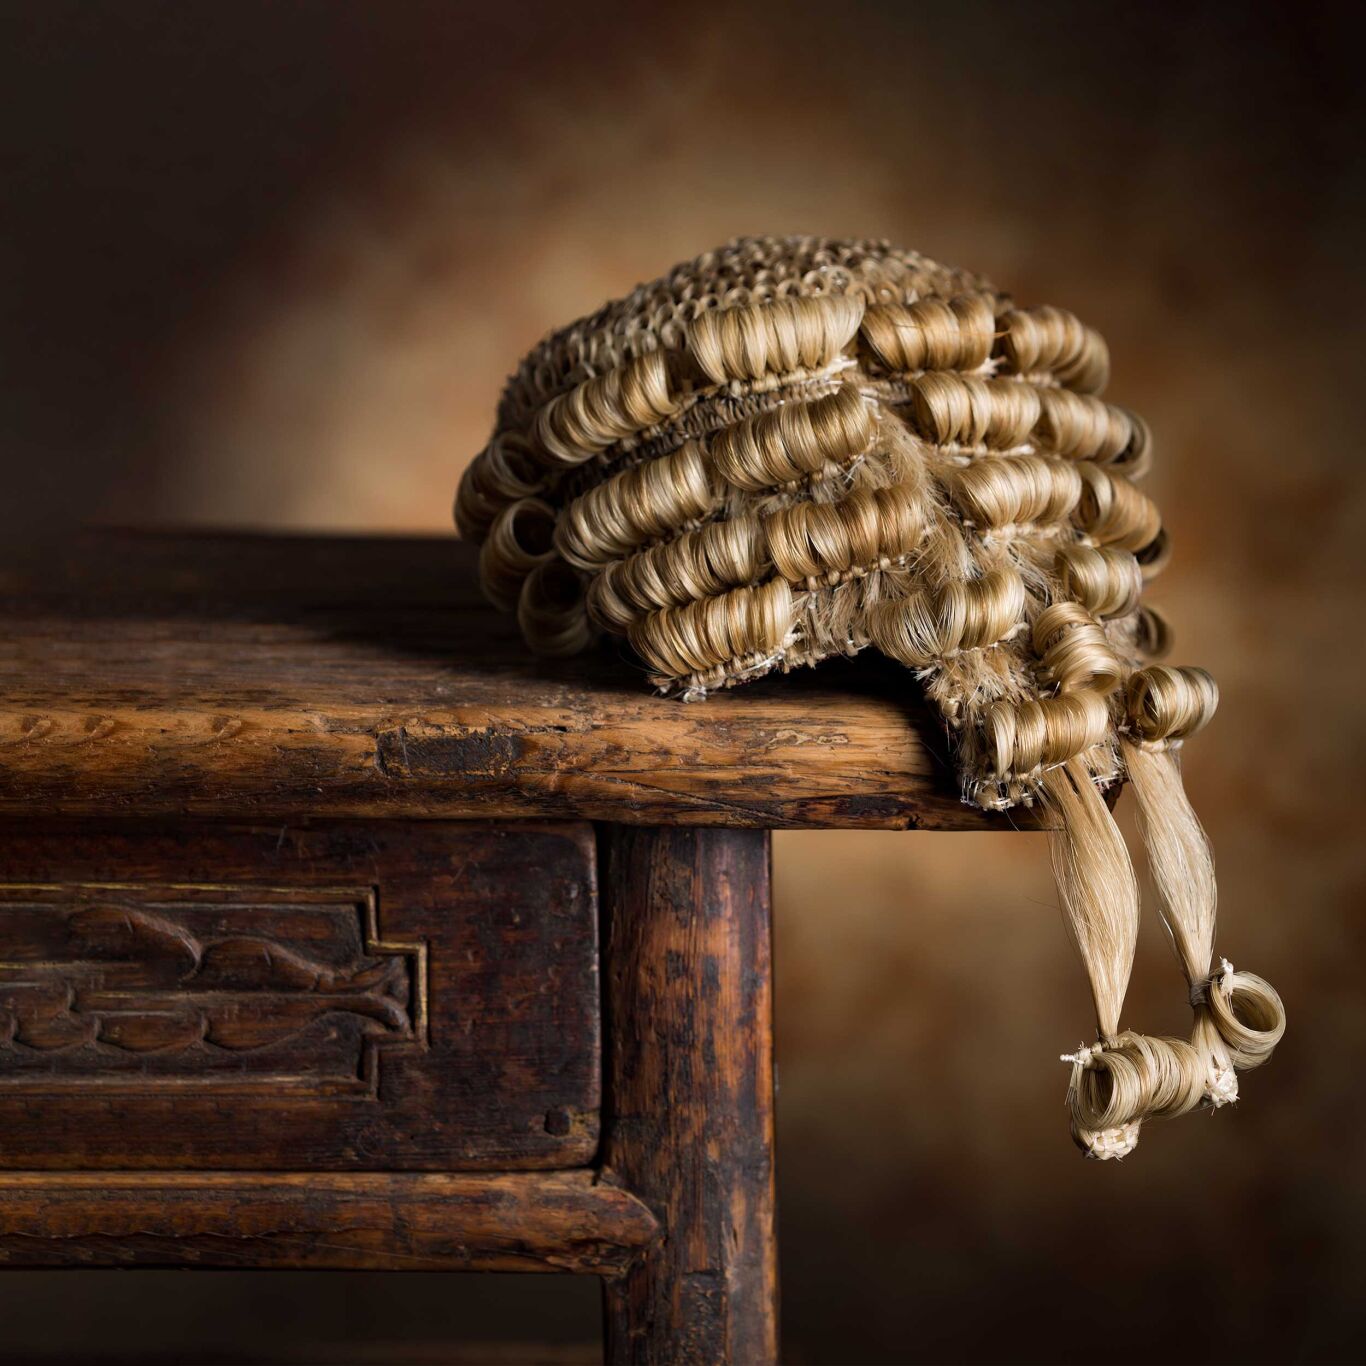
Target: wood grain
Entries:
(381, 996)
(690, 1112)
(555, 1221)
(274, 678)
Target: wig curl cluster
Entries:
(792, 448)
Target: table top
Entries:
(283, 677)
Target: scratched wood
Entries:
(275, 677)
(338, 996)
(554, 1221)
(689, 1126)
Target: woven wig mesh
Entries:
(791, 448)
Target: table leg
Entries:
(689, 1113)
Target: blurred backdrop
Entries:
(268, 263)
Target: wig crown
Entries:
(797, 447)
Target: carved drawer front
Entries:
(406, 997)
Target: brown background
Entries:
(268, 263)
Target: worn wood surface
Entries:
(275, 678)
(381, 996)
(689, 1124)
(555, 1221)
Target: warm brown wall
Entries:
(269, 263)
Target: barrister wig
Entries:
(797, 447)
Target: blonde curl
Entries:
(931, 334)
(637, 505)
(926, 628)
(1166, 704)
(520, 539)
(1054, 342)
(1023, 489)
(602, 411)
(782, 337)
(791, 442)
(740, 625)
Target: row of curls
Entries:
(662, 496)
(673, 601)
(970, 412)
(787, 338)
(604, 410)
(1104, 581)
(783, 338)
(742, 628)
(1078, 667)
(791, 337)
(1024, 490)
(992, 495)
(966, 333)
(663, 312)
(810, 542)
(807, 542)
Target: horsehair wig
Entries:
(792, 448)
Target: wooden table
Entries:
(338, 932)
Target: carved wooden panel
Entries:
(394, 996)
(229, 989)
